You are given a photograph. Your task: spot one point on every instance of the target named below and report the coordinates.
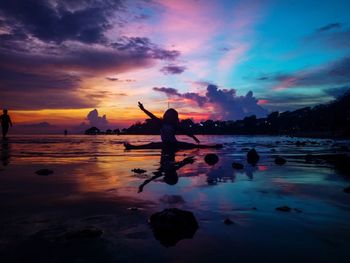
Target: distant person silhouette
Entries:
(65, 132)
(5, 123)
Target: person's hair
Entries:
(171, 178)
(171, 117)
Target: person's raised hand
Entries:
(141, 106)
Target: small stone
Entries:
(44, 172)
(237, 166)
(347, 189)
(138, 171)
(252, 156)
(228, 221)
(280, 161)
(211, 158)
(283, 208)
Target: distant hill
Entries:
(332, 119)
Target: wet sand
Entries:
(89, 210)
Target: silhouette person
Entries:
(168, 168)
(168, 126)
(5, 123)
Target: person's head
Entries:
(171, 117)
(171, 178)
(4, 111)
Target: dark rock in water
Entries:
(347, 189)
(237, 166)
(283, 208)
(252, 156)
(280, 161)
(88, 232)
(298, 210)
(211, 158)
(273, 150)
(228, 221)
(172, 225)
(44, 172)
(254, 208)
(138, 171)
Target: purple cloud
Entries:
(97, 121)
(172, 69)
(227, 104)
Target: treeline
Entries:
(325, 119)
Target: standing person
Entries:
(5, 123)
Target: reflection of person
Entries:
(5, 153)
(168, 168)
(5, 123)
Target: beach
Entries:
(89, 209)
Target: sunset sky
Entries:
(60, 59)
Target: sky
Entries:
(61, 59)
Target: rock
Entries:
(172, 225)
(44, 172)
(252, 156)
(283, 208)
(228, 221)
(88, 232)
(280, 161)
(237, 166)
(254, 208)
(211, 158)
(347, 189)
(298, 210)
(138, 171)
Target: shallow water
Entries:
(93, 179)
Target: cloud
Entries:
(226, 103)
(172, 69)
(329, 27)
(97, 121)
(58, 21)
(331, 36)
(200, 100)
(338, 91)
(337, 72)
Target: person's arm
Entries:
(150, 114)
(185, 161)
(157, 175)
(10, 121)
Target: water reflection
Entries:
(168, 168)
(5, 152)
